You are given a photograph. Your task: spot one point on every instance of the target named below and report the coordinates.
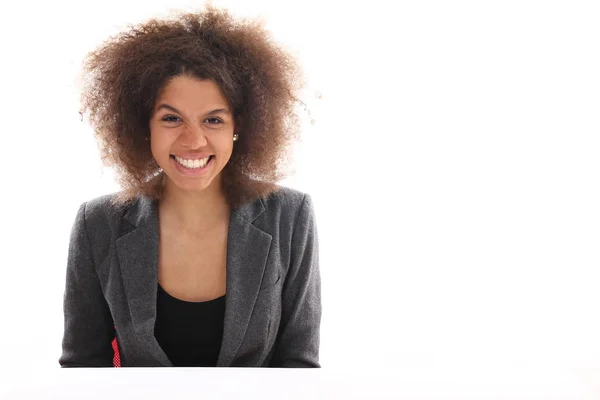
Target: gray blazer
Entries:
(273, 302)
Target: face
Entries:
(192, 124)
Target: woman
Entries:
(202, 259)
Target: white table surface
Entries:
(324, 383)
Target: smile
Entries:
(192, 168)
(193, 164)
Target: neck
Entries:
(194, 211)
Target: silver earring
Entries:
(235, 137)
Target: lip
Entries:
(192, 156)
(192, 173)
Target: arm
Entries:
(299, 334)
(88, 329)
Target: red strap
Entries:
(116, 356)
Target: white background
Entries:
(453, 164)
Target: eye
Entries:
(170, 118)
(214, 120)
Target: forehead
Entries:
(186, 91)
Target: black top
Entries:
(189, 333)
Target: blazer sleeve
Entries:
(299, 336)
(88, 326)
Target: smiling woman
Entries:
(191, 113)
(201, 259)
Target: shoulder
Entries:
(101, 211)
(285, 198)
(284, 209)
(290, 202)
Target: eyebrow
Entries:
(212, 112)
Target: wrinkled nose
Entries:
(194, 137)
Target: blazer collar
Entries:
(137, 251)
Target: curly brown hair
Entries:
(259, 78)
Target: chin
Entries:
(191, 184)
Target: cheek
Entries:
(160, 151)
(159, 141)
(226, 151)
(223, 144)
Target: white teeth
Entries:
(199, 163)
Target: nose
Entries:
(194, 137)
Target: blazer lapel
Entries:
(137, 251)
(247, 251)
